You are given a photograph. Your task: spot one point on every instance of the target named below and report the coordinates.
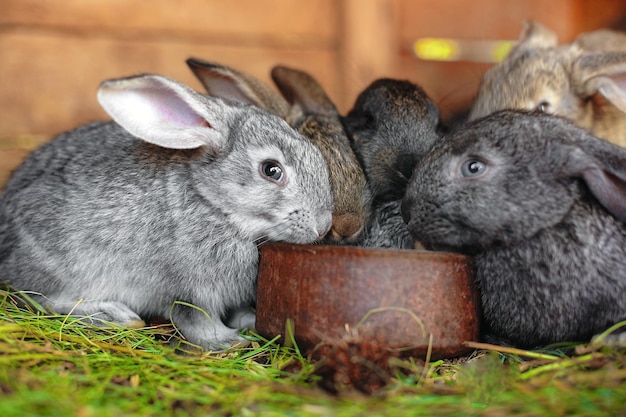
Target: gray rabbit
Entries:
(307, 108)
(160, 212)
(541, 204)
(582, 80)
(392, 125)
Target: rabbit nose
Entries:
(405, 210)
(346, 226)
(324, 224)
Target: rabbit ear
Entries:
(603, 168)
(164, 112)
(602, 73)
(299, 88)
(601, 40)
(222, 81)
(534, 36)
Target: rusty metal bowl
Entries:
(413, 302)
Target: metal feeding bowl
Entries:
(410, 302)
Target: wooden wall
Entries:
(54, 53)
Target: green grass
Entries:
(57, 366)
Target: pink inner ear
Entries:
(228, 88)
(608, 189)
(172, 109)
(620, 81)
(612, 89)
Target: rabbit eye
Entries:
(272, 171)
(473, 168)
(369, 120)
(544, 107)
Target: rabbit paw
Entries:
(98, 313)
(215, 337)
(242, 318)
(616, 340)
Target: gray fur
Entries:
(104, 224)
(392, 125)
(544, 221)
(307, 108)
(387, 229)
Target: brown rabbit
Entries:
(307, 108)
(584, 81)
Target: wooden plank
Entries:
(594, 14)
(368, 43)
(469, 20)
(286, 20)
(49, 83)
(481, 19)
(451, 85)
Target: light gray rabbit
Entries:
(392, 125)
(160, 210)
(541, 204)
(307, 108)
(582, 80)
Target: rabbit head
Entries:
(260, 158)
(583, 81)
(541, 206)
(532, 76)
(392, 125)
(308, 110)
(502, 179)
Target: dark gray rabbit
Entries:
(160, 212)
(541, 204)
(392, 125)
(307, 108)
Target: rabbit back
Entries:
(85, 229)
(561, 285)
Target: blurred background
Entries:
(55, 53)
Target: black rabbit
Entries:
(392, 125)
